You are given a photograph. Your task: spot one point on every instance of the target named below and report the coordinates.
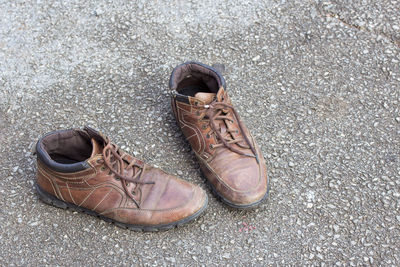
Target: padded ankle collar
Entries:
(180, 71)
(45, 158)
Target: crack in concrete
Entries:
(358, 27)
(323, 13)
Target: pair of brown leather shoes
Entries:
(83, 170)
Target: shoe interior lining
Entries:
(68, 147)
(192, 78)
(193, 89)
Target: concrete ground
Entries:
(317, 82)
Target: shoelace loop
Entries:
(115, 159)
(220, 111)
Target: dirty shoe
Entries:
(228, 155)
(82, 170)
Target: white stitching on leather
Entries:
(83, 201)
(187, 138)
(196, 130)
(222, 181)
(106, 195)
(149, 210)
(69, 191)
(54, 186)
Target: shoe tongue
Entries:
(98, 140)
(207, 98)
(97, 148)
(98, 136)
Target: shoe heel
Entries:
(49, 199)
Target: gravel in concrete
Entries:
(317, 82)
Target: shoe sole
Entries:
(52, 200)
(233, 205)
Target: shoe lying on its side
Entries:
(84, 171)
(228, 155)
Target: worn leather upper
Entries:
(241, 179)
(158, 198)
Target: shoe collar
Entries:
(217, 83)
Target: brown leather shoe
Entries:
(228, 155)
(84, 171)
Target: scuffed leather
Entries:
(239, 179)
(170, 199)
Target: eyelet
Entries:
(116, 178)
(204, 126)
(99, 161)
(196, 103)
(127, 184)
(211, 146)
(103, 168)
(133, 193)
(207, 136)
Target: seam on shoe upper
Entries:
(222, 181)
(42, 172)
(153, 210)
(202, 142)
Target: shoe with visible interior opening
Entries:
(228, 155)
(84, 171)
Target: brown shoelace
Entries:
(115, 159)
(220, 111)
